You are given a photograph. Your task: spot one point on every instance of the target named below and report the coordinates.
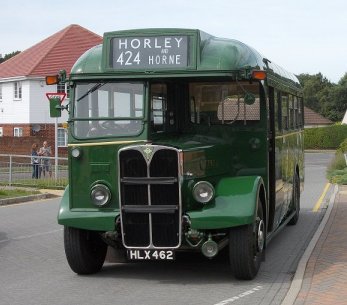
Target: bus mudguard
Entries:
(89, 220)
(234, 205)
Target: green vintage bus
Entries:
(179, 141)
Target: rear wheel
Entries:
(246, 247)
(295, 205)
(85, 251)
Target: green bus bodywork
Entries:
(249, 162)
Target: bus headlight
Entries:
(203, 191)
(100, 195)
(76, 152)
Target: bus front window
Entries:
(108, 109)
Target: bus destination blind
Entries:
(153, 52)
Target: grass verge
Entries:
(12, 193)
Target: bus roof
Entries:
(207, 56)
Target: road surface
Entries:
(34, 270)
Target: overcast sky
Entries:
(303, 36)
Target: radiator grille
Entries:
(150, 197)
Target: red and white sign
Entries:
(56, 95)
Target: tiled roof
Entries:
(59, 51)
(314, 118)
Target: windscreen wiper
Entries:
(91, 90)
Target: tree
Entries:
(324, 97)
(8, 56)
(338, 100)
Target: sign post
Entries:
(55, 100)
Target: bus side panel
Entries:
(82, 219)
(234, 204)
(292, 159)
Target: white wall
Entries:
(33, 108)
(12, 110)
(39, 104)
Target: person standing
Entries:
(45, 151)
(35, 161)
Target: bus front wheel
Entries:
(246, 247)
(85, 250)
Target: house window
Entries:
(17, 131)
(63, 88)
(62, 137)
(18, 90)
(1, 131)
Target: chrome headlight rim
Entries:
(203, 192)
(100, 194)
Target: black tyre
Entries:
(246, 247)
(85, 251)
(295, 204)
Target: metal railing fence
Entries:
(19, 170)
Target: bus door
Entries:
(163, 109)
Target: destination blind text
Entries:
(150, 52)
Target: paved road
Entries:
(33, 268)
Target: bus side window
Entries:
(300, 113)
(275, 109)
(278, 110)
(296, 118)
(285, 119)
(291, 112)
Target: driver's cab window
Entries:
(108, 109)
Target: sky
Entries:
(302, 36)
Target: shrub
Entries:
(326, 137)
(337, 170)
(340, 178)
(343, 146)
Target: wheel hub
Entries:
(260, 236)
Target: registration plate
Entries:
(144, 254)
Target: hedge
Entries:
(343, 146)
(325, 137)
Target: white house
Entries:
(24, 107)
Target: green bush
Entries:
(339, 178)
(337, 170)
(329, 137)
(343, 146)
